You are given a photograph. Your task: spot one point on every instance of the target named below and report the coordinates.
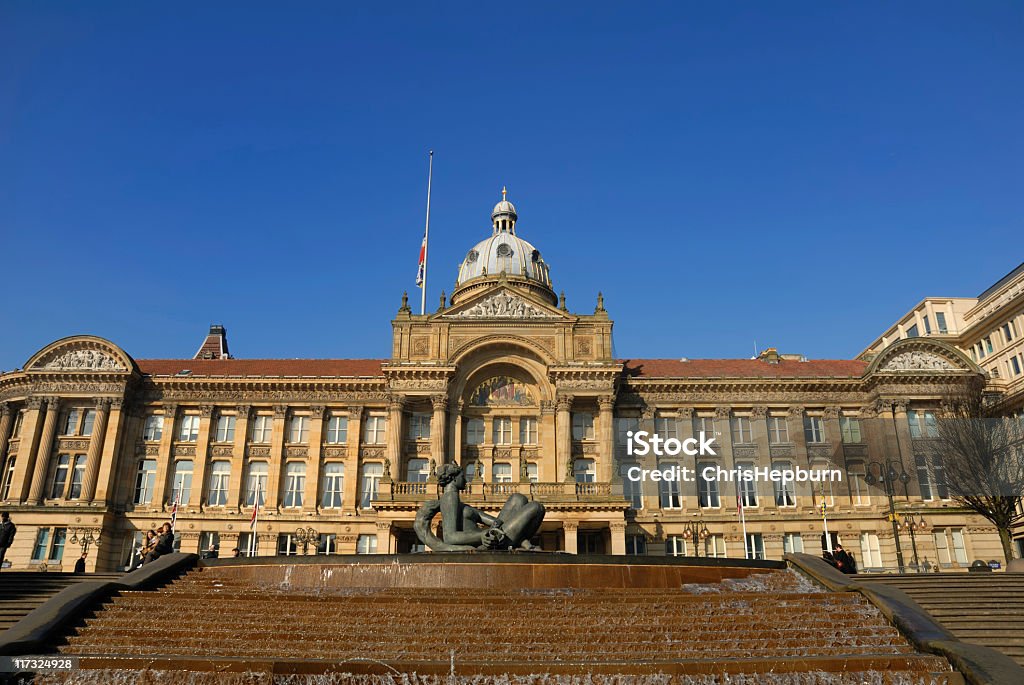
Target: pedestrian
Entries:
(235, 552)
(845, 561)
(164, 544)
(80, 564)
(7, 531)
(829, 558)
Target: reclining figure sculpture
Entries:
(467, 528)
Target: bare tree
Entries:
(982, 461)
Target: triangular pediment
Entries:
(503, 303)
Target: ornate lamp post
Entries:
(913, 524)
(87, 536)
(696, 531)
(306, 537)
(889, 473)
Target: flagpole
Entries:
(255, 519)
(824, 518)
(743, 521)
(426, 237)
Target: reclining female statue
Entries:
(467, 528)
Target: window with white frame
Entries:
(337, 430)
(949, 546)
(262, 428)
(366, 544)
(145, 479)
(532, 472)
(870, 551)
(922, 424)
(154, 428)
(707, 490)
(370, 485)
(823, 491)
(287, 546)
(188, 431)
(792, 543)
(256, 480)
(814, 429)
(88, 420)
(748, 488)
(636, 544)
(666, 426)
(624, 425)
(60, 536)
(714, 546)
(70, 424)
(209, 540)
(940, 322)
(225, 428)
(294, 483)
(181, 483)
(778, 430)
(77, 477)
(849, 426)
(742, 430)
(755, 546)
(584, 470)
(248, 544)
(419, 426)
(669, 496)
(502, 430)
(375, 429)
(417, 471)
(931, 478)
(582, 426)
(334, 485)
(527, 430)
(475, 432)
(785, 491)
(220, 478)
(858, 484)
(501, 472)
(5, 492)
(41, 544)
(61, 467)
(327, 544)
(703, 424)
(631, 489)
(675, 546)
(298, 430)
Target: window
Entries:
(675, 546)
(623, 426)
(475, 432)
(501, 473)
(527, 431)
(778, 429)
(70, 425)
(366, 544)
(988, 344)
(912, 331)
(636, 544)
(189, 430)
(88, 421)
(337, 430)
(471, 471)
(328, 544)
(755, 546)
(823, 490)
(372, 473)
(922, 424)
(631, 489)
(858, 486)
(814, 429)
(532, 472)
(225, 428)
(60, 536)
(1015, 366)
(792, 543)
(208, 539)
(747, 488)
(334, 485)
(419, 426)
(707, 490)
(502, 430)
(927, 325)
(286, 545)
(298, 430)
(182, 482)
(8, 478)
(850, 429)
(220, 476)
(417, 471)
(374, 430)
(981, 350)
(77, 477)
(714, 546)
(145, 478)
(256, 476)
(582, 426)
(668, 490)
(742, 431)
(154, 429)
(584, 470)
(247, 542)
(940, 322)
(959, 550)
(262, 428)
(41, 544)
(60, 476)
(870, 551)
(19, 419)
(703, 424)
(785, 492)
(294, 483)
(666, 426)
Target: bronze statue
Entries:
(467, 528)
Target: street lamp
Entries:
(913, 524)
(87, 536)
(888, 475)
(306, 537)
(696, 531)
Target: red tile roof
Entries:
(263, 367)
(744, 368)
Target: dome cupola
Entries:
(504, 216)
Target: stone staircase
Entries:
(23, 591)
(980, 608)
(770, 627)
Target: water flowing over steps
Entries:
(23, 591)
(980, 608)
(774, 627)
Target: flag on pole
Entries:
(421, 272)
(174, 509)
(253, 520)
(743, 520)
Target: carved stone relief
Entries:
(502, 305)
(83, 360)
(918, 361)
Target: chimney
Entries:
(216, 344)
(771, 355)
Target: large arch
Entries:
(81, 354)
(496, 356)
(921, 355)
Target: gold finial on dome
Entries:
(504, 192)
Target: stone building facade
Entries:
(502, 378)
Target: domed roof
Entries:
(504, 252)
(504, 207)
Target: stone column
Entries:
(30, 428)
(92, 459)
(650, 492)
(42, 462)
(457, 438)
(606, 437)
(164, 459)
(236, 493)
(571, 531)
(804, 491)
(547, 462)
(202, 456)
(385, 538)
(438, 428)
(393, 449)
(618, 535)
(5, 429)
(316, 441)
(563, 438)
(276, 461)
(759, 428)
(350, 498)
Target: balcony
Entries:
(477, 492)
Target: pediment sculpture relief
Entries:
(503, 305)
(918, 361)
(84, 360)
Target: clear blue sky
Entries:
(799, 173)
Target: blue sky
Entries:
(799, 173)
